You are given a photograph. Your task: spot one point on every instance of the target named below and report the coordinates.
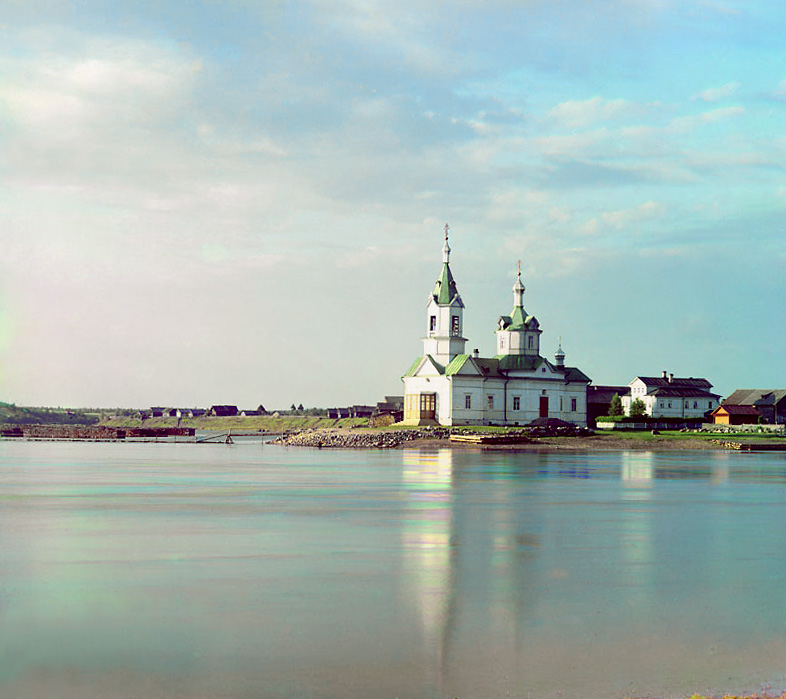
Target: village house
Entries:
(735, 415)
(222, 411)
(770, 403)
(669, 396)
(447, 386)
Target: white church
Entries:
(446, 386)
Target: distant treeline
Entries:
(10, 414)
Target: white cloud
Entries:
(623, 219)
(714, 94)
(693, 121)
(582, 113)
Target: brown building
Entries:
(728, 414)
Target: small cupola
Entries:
(559, 356)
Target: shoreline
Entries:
(366, 438)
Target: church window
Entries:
(454, 325)
(516, 403)
(529, 342)
(573, 405)
(502, 342)
(490, 402)
(432, 326)
(467, 401)
(560, 403)
(695, 404)
(669, 403)
(709, 404)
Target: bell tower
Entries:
(518, 333)
(444, 315)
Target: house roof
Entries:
(756, 396)
(736, 409)
(658, 381)
(574, 375)
(604, 394)
(681, 392)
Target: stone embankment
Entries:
(390, 439)
(346, 439)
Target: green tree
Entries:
(637, 408)
(616, 406)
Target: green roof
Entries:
(445, 288)
(412, 369)
(419, 361)
(455, 364)
(519, 362)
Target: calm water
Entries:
(177, 570)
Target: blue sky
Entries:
(243, 202)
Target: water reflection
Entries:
(426, 538)
(244, 571)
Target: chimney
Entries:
(476, 352)
(671, 378)
(663, 375)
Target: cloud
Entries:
(711, 117)
(623, 219)
(582, 113)
(714, 94)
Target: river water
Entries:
(251, 570)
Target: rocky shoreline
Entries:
(392, 439)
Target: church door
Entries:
(544, 406)
(428, 405)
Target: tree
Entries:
(292, 407)
(616, 406)
(637, 408)
(300, 408)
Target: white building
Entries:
(449, 387)
(667, 396)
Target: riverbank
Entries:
(438, 437)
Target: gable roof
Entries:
(736, 410)
(459, 362)
(756, 396)
(420, 362)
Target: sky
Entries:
(226, 201)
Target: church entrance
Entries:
(428, 406)
(544, 406)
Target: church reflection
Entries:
(470, 566)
